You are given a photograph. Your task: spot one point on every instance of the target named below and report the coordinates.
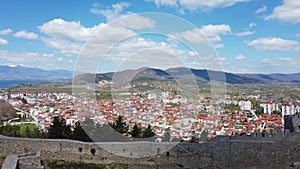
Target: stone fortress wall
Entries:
(261, 150)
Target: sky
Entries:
(239, 36)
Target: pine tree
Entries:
(148, 132)
(136, 131)
(120, 125)
(59, 129)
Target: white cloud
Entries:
(252, 24)
(267, 65)
(5, 31)
(261, 10)
(289, 11)
(274, 44)
(25, 57)
(133, 53)
(67, 30)
(3, 41)
(222, 58)
(281, 65)
(111, 13)
(66, 36)
(120, 18)
(195, 36)
(218, 45)
(246, 33)
(66, 47)
(117, 42)
(297, 34)
(134, 21)
(165, 2)
(197, 4)
(46, 61)
(26, 35)
(240, 57)
(212, 32)
(193, 54)
(69, 37)
(286, 59)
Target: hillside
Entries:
(200, 75)
(6, 110)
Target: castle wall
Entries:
(280, 150)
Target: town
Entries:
(167, 113)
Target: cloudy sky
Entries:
(244, 36)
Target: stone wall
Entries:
(30, 161)
(280, 150)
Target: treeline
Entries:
(122, 127)
(86, 131)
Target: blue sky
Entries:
(241, 36)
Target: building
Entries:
(245, 105)
(288, 109)
(270, 107)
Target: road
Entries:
(36, 121)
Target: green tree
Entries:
(148, 132)
(259, 110)
(27, 131)
(136, 131)
(23, 100)
(120, 125)
(59, 129)
(232, 107)
(11, 131)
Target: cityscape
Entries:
(150, 84)
(176, 114)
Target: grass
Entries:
(53, 164)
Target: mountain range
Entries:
(183, 73)
(26, 73)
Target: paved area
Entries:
(10, 162)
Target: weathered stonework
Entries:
(280, 150)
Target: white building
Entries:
(151, 96)
(288, 109)
(269, 107)
(3, 96)
(245, 105)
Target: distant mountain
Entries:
(124, 76)
(274, 78)
(26, 73)
(183, 73)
